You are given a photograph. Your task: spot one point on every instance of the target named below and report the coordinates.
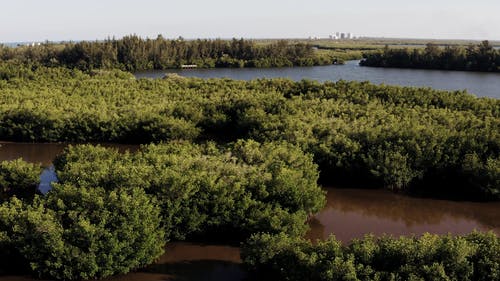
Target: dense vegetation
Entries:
(245, 188)
(80, 233)
(431, 258)
(133, 53)
(481, 57)
(113, 212)
(18, 178)
(413, 139)
(230, 159)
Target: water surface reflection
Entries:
(351, 213)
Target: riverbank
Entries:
(477, 83)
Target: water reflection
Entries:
(192, 262)
(351, 213)
(479, 83)
(31, 152)
(47, 177)
(45, 153)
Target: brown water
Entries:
(44, 153)
(184, 262)
(350, 213)
(34, 153)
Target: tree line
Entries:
(133, 53)
(480, 57)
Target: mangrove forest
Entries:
(480, 57)
(237, 161)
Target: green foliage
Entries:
(282, 257)
(481, 57)
(486, 260)
(429, 257)
(132, 53)
(13, 232)
(244, 188)
(412, 139)
(82, 233)
(18, 178)
(484, 175)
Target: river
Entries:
(479, 83)
(349, 213)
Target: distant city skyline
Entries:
(62, 20)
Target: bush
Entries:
(429, 257)
(83, 233)
(244, 188)
(19, 178)
(282, 257)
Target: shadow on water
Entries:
(185, 261)
(202, 270)
(208, 270)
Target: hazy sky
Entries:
(36, 20)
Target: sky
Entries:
(62, 20)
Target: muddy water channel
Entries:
(350, 213)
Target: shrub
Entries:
(83, 233)
(429, 257)
(241, 189)
(19, 178)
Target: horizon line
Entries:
(250, 38)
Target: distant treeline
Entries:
(481, 57)
(132, 53)
(412, 139)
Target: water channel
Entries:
(480, 84)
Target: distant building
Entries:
(342, 36)
(33, 44)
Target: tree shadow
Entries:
(206, 270)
